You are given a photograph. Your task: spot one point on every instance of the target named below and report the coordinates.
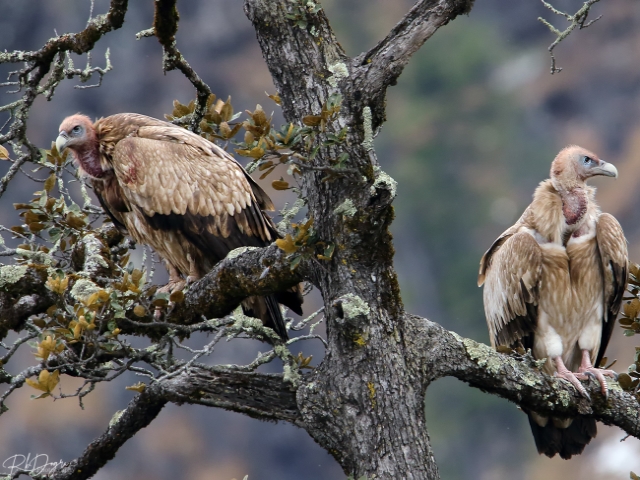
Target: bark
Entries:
(364, 403)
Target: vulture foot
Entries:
(587, 369)
(174, 285)
(565, 374)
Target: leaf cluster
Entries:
(630, 322)
(304, 243)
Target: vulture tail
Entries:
(566, 442)
(267, 310)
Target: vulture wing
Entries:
(511, 271)
(179, 180)
(615, 265)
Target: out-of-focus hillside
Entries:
(473, 125)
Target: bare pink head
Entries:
(574, 165)
(78, 134)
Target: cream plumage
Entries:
(179, 193)
(554, 281)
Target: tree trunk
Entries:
(364, 404)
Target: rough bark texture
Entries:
(368, 378)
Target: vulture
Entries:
(553, 283)
(180, 194)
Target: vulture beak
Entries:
(61, 142)
(605, 169)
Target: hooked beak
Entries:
(61, 142)
(605, 169)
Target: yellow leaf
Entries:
(631, 309)
(56, 285)
(93, 298)
(176, 297)
(256, 152)
(275, 98)
(139, 311)
(49, 380)
(49, 183)
(46, 381)
(4, 153)
(280, 185)
(312, 120)
(286, 244)
(136, 275)
(75, 221)
(138, 387)
(48, 346)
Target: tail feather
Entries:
(566, 442)
(267, 310)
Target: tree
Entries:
(363, 404)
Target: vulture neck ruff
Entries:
(574, 205)
(88, 158)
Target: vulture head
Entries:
(77, 134)
(574, 165)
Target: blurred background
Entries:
(473, 125)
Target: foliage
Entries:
(101, 297)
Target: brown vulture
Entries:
(553, 283)
(178, 193)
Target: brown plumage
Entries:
(178, 193)
(553, 283)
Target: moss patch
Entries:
(353, 306)
(83, 288)
(346, 208)
(10, 274)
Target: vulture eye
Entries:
(587, 160)
(76, 130)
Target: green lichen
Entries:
(116, 418)
(613, 385)
(353, 306)
(83, 288)
(291, 375)
(367, 125)
(483, 355)
(10, 274)
(530, 380)
(35, 257)
(564, 398)
(384, 181)
(236, 252)
(346, 208)
(339, 71)
(372, 394)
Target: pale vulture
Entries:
(553, 283)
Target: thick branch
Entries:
(260, 395)
(140, 412)
(261, 271)
(518, 379)
(381, 66)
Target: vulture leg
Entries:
(176, 282)
(194, 273)
(564, 373)
(587, 368)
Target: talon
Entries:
(565, 374)
(587, 368)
